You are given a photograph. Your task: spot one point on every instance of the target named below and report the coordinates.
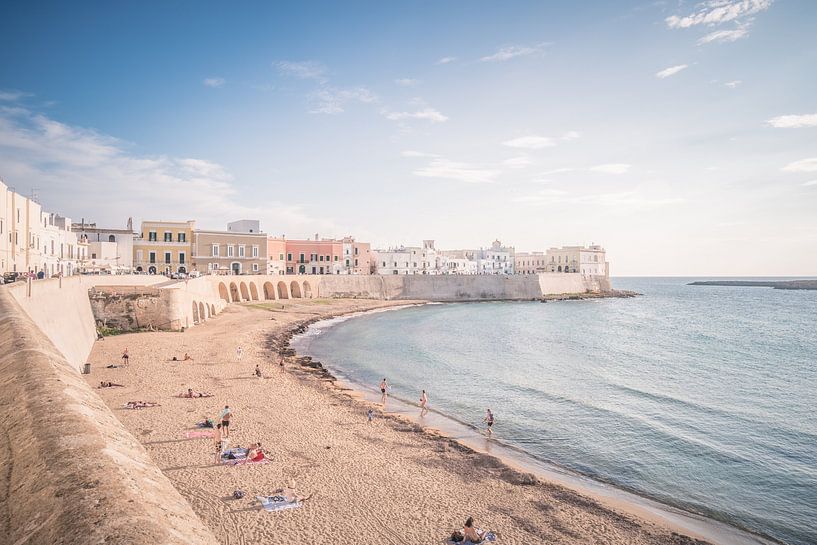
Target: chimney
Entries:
(316, 236)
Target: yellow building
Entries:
(164, 247)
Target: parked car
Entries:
(10, 277)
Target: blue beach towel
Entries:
(277, 503)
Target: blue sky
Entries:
(681, 135)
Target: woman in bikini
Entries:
(256, 454)
(423, 403)
(383, 388)
(470, 533)
(125, 357)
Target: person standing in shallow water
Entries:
(383, 388)
(489, 422)
(423, 403)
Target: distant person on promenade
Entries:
(489, 421)
(125, 356)
(218, 442)
(238, 353)
(383, 387)
(423, 403)
(226, 415)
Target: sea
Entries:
(703, 398)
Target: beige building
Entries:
(529, 262)
(163, 247)
(578, 259)
(230, 252)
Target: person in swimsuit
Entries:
(218, 442)
(471, 533)
(125, 356)
(383, 388)
(489, 421)
(110, 385)
(187, 357)
(423, 403)
(238, 353)
(226, 414)
(281, 362)
(256, 454)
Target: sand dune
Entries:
(385, 482)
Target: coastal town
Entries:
(42, 244)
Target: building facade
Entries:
(109, 249)
(164, 247)
(226, 252)
(276, 255)
(529, 262)
(318, 256)
(578, 259)
(407, 259)
(357, 257)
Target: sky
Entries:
(682, 136)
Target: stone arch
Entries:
(245, 295)
(283, 293)
(202, 312)
(212, 310)
(195, 313)
(307, 290)
(234, 297)
(559, 269)
(253, 291)
(269, 291)
(111, 238)
(295, 289)
(222, 291)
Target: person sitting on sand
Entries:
(291, 495)
(471, 534)
(104, 384)
(256, 454)
(258, 371)
(191, 394)
(187, 357)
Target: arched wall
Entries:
(295, 289)
(253, 291)
(269, 291)
(283, 292)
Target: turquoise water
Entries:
(699, 397)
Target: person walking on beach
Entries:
(226, 414)
(489, 421)
(383, 388)
(423, 403)
(370, 415)
(218, 442)
(281, 363)
(125, 356)
(238, 353)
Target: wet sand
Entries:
(385, 482)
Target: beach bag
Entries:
(457, 537)
(238, 494)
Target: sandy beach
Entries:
(384, 482)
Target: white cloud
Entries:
(530, 142)
(723, 36)
(213, 82)
(732, 84)
(427, 114)
(622, 201)
(446, 60)
(716, 12)
(330, 100)
(803, 165)
(302, 70)
(406, 82)
(561, 170)
(810, 183)
(671, 71)
(793, 121)
(414, 153)
(462, 172)
(12, 96)
(513, 51)
(82, 172)
(571, 135)
(611, 168)
(521, 161)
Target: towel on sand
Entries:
(277, 503)
(489, 537)
(237, 453)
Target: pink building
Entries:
(314, 256)
(276, 255)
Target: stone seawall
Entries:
(71, 472)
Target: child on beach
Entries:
(370, 415)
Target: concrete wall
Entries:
(71, 472)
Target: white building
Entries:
(530, 262)
(109, 249)
(578, 259)
(244, 226)
(407, 259)
(497, 259)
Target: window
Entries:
(289, 257)
(182, 237)
(281, 257)
(152, 257)
(152, 236)
(336, 258)
(313, 270)
(181, 258)
(167, 257)
(93, 255)
(255, 267)
(140, 255)
(230, 250)
(355, 250)
(215, 250)
(241, 251)
(168, 236)
(255, 251)
(355, 262)
(384, 263)
(321, 258)
(327, 258)
(302, 258)
(347, 262)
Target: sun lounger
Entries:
(277, 503)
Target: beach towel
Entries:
(490, 537)
(233, 454)
(277, 503)
(206, 424)
(198, 434)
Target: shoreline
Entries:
(528, 467)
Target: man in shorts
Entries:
(226, 414)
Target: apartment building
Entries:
(578, 259)
(357, 257)
(164, 247)
(529, 262)
(109, 249)
(317, 256)
(276, 255)
(408, 260)
(230, 252)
